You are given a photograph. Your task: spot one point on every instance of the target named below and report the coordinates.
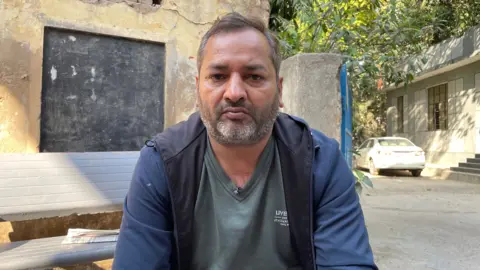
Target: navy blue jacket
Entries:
(326, 220)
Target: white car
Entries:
(390, 153)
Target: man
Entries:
(240, 185)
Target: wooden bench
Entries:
(59, 184)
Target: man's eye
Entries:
(256, 77)
(217, 77)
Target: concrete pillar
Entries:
(311, 90)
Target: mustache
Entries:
(230, 104)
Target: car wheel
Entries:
(416, 173)
(371, 168)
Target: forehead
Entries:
(239, 47)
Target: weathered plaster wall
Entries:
(177, 23)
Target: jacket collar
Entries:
(288, 129)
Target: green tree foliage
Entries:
(455, 16)
(374, 36)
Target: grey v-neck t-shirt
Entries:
(246, 228)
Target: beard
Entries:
(248, 131)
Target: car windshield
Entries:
(395, 142)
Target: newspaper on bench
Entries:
(84, 236)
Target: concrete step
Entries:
(466, 170)
(473, 160)
(469, 165)
(477, 155)
(464, 177)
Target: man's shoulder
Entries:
(322, 140)
(179, 136)
(319, 138)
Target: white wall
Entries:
(443, 147)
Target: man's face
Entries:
(237, 90)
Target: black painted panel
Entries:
(100, 93)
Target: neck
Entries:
(239, 161)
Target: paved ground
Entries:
(417, 223)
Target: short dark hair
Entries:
(235, 22)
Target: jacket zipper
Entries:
(175, 228)
(174, 216)
(312, 194)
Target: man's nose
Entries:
(235, 89)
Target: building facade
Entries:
(440, 110)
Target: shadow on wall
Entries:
(460, 127)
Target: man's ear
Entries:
(280, 91)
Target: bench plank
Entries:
(70, 155)
(86, 170)
(54, 184)
(69, 179)
(49, 252)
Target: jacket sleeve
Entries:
(340, 235)
(146, 237)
